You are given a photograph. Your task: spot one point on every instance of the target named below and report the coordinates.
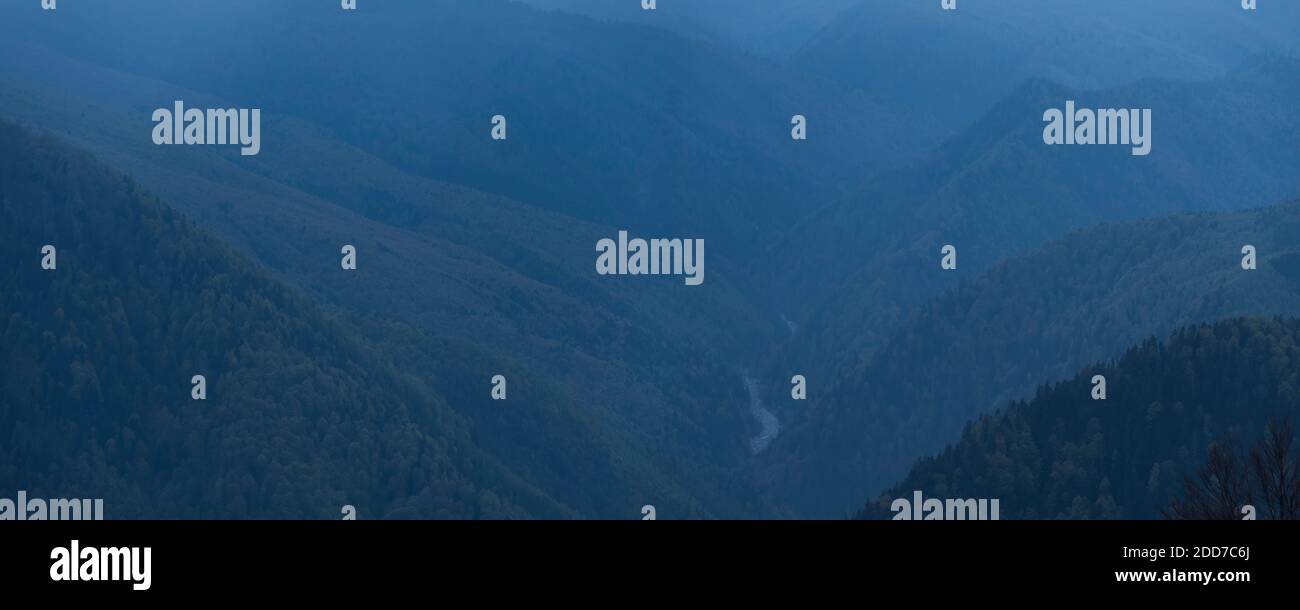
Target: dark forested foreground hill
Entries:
(1034, 319)
(305, 411)
(1065, 455)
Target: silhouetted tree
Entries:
(1276, 467)
(1269, 480)
(1219, 489)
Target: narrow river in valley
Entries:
(769, 427)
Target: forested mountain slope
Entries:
(861, 266)
(1064, 455)
(1034, 319)
(642, 353)
(304, 413)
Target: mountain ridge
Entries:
(1063, 455)
(1032, 319)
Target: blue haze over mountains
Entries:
(476, 256)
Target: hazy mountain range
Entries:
(1031, 320)
(476, 256)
